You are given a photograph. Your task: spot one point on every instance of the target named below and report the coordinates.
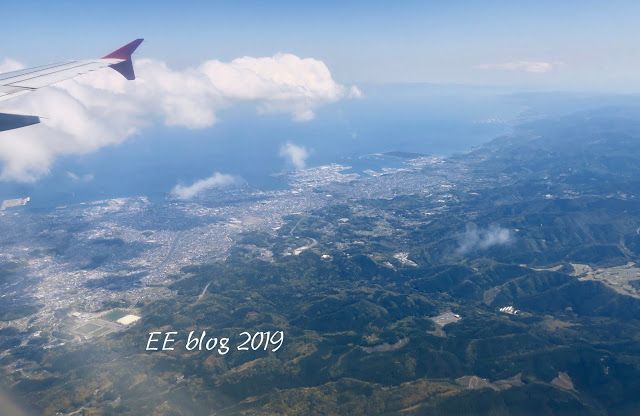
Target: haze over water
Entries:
(411, 118)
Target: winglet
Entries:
(125, 52)
(125, 67)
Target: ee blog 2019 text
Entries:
(202, 341)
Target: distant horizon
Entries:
(573, 44)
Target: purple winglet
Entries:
(125, 52)
(125, 67)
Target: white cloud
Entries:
(295, 154)
(101, 109)
(8, 65)
(87, 177)
(217, 180)
(355, 92)
(538, 67)
(475, 238)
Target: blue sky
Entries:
(539, 45)
(588, 45)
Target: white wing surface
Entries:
(16, 83)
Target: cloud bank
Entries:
(296, 155)
(475, 238)
(101, 109)
(538, 67)
(217, 180)
(8, 65)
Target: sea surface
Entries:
(421, 118)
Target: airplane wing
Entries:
(16, 83)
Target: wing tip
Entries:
(125, 51)
(16, 121)
(125, 68)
